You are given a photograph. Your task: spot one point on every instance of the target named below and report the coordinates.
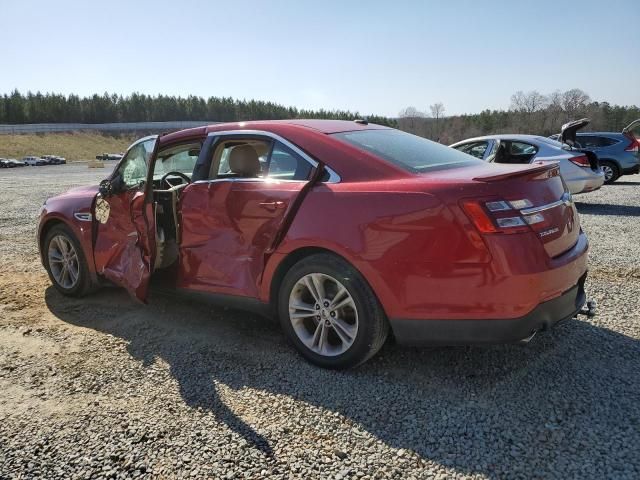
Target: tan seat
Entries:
(244, 161)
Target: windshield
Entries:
(182, 159)
(410, 152)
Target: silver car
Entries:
(579, 169)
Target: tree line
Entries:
(529, 112)
(18, 108)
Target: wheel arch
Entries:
(44, 229)
(82, 237)
(299, 254)
(612, 160)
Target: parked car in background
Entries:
(346, 232)
(34, 161)
(109, 156)
(618, 152)
(11, 163)
(54, 159)
(580, 170)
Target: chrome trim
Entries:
(83, 216)
(565, 200)
(333, 176)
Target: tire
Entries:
(79, 286)
(611, 170)
(355, 331)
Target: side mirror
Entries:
(105, 188)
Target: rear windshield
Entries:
(410, 152)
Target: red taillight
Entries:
(479, 217)
(634, 145)
(495, 217)
(581, 161)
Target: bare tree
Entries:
(529, 102)
(437, 110)
(574, 101)
(410, 118)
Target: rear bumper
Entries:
(488, 331)
(632, 170)
(586, 183)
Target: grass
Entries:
(72, 146)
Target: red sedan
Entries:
(347, 231)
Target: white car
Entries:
(579, 169)
(34, 161)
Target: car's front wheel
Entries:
(65, 262)
(610, 170)
(330, 313)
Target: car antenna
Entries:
(361, 121)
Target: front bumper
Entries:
(490, 331)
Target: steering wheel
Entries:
(163, 180)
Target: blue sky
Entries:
(369, 56)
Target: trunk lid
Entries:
(631, 127)
(568, 130)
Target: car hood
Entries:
(77, 194)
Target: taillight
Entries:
(581, 161)
(500, 216)
(633, 146)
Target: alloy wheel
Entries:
(608, 172)
(323, 314)
(63, 261)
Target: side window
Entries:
(591, 141)
(476, 149)
(133, 169)
(239, 158)
(519, 148)
(285, 164)
(176, 159)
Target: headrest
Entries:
(244, 161)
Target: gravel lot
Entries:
(106, 388)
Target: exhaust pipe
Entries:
(588, 309)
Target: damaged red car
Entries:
(348, 232)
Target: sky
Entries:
(374, 57)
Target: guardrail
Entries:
(101, 127)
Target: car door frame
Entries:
(133, 272)
(207, 163)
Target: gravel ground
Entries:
(106, 388)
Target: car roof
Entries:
(275, 126)
(603, 134)
(503, 136)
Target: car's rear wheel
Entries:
(65, 262)
(330, 313)
(611, 171)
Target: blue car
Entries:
(617, 152)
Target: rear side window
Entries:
(593, 141)
(284, 164)
(477, 149)
(410, 152)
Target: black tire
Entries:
(372, 329)
(615, 171)
(83, 284)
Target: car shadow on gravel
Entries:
(608, 209)
(566, 402)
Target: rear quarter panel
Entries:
(401, 241)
